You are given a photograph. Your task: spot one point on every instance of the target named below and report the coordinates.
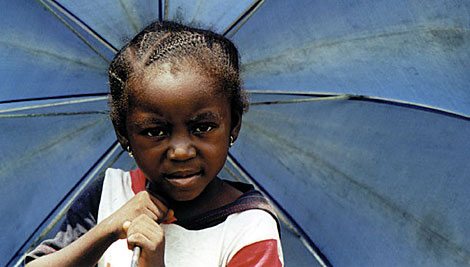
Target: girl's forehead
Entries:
(181, 87)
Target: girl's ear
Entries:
(236, 125)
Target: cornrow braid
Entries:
(178, 42)
(169, 42)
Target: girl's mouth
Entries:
(183, 179)
(182, 174)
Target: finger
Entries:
(144, 232)
(124, 229)
(143, 224)
(152, 205)
(148, 240)
(138, 239)
(158, 200)
(153, 234)
(125, 226)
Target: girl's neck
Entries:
(217, 194)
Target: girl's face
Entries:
(179, 128)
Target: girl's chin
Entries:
(187, 189)
(179, 190)
(183, 197)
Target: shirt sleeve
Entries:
(253, 240)
(259, 254)
(80, 218)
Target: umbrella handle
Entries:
(135, 256)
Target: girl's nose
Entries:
(181, 149)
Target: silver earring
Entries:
(231, 142)
(129, 151)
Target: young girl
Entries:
(176, 108)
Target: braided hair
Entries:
(166, 42)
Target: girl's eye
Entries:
(155, 132)
(203, 128)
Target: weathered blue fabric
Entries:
(372, 183)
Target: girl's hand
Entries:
(147, 234)
(142, 203)
(138, 221)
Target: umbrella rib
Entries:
(96, 170)
(284, 216)
(52, 97)
(412, 105)
(331, 96)
(68, 102)
(281, 92)
(81, 24)
(301, 100)
(9, 116)
(166, 12)
(242, 19)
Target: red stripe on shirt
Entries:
(262, 253)
(137, 180)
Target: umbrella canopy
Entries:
(357, 131)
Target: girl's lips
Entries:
(183, 179)
(182, 174)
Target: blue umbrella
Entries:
(357, 130)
